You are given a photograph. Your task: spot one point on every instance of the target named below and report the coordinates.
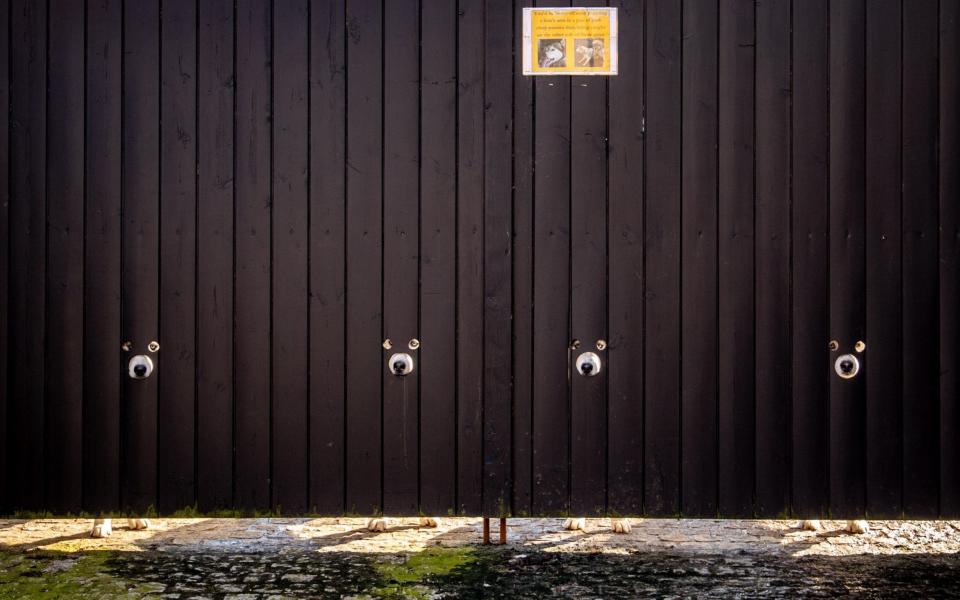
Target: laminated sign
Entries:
(569, 41)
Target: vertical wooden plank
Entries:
(215, 235)
(103, 361)
(625, 349)
(773, 208)
(469, 293)
(847, 262)
(215, 291)
(4, 249)
(551, 296)
(736, 464)
(523, 112)
(438, 139)
(365, 366)
(401, 149)
(178, 255)
(810, 215)
(290, 229)
(64, 316)
(327, 155)
(588, 296)
(141, 211)
(497, 259)
(883, 380)
(252, 260)
(662, 249)
(920, 278)
(28, 206)
(698, 282)
(949, 241)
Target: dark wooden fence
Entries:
(271, 190)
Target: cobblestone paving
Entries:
(247, 559)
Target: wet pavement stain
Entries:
(474, 572)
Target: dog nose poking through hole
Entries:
(588, 364)
(140, 367)
(400, 364)
(847, 366)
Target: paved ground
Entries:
(337, 558)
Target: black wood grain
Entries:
(773, 209)
(920, 269)
(847, 260)
(271, 189)
(252, 255)
(588, 291)
(883, 251)
(438, 229)
(215, 236)
(327, 276)
(625, 349)
(176, 419)
(662, 250)
(497, 259)
(401, 166)
(810, 222)
(469, 278)
(103, 360)
(522, 250)
(365, 366)
(141, 211)
(289, 365)
(949, 255)
(64, 302)
(551, 296)
(736, 463)
(698, 281)
(5, 452)
(28, 206)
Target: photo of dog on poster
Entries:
(589, 52)
(552, 53)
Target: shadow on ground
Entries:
(261, 559)
(473, 572)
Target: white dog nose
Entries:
(400, 364)
(588, 364)
(847, 366)
(140, 367)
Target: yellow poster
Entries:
(569, 41)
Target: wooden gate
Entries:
(285, 195)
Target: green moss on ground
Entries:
(117, 574)
(410, 577)
(51, 575)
